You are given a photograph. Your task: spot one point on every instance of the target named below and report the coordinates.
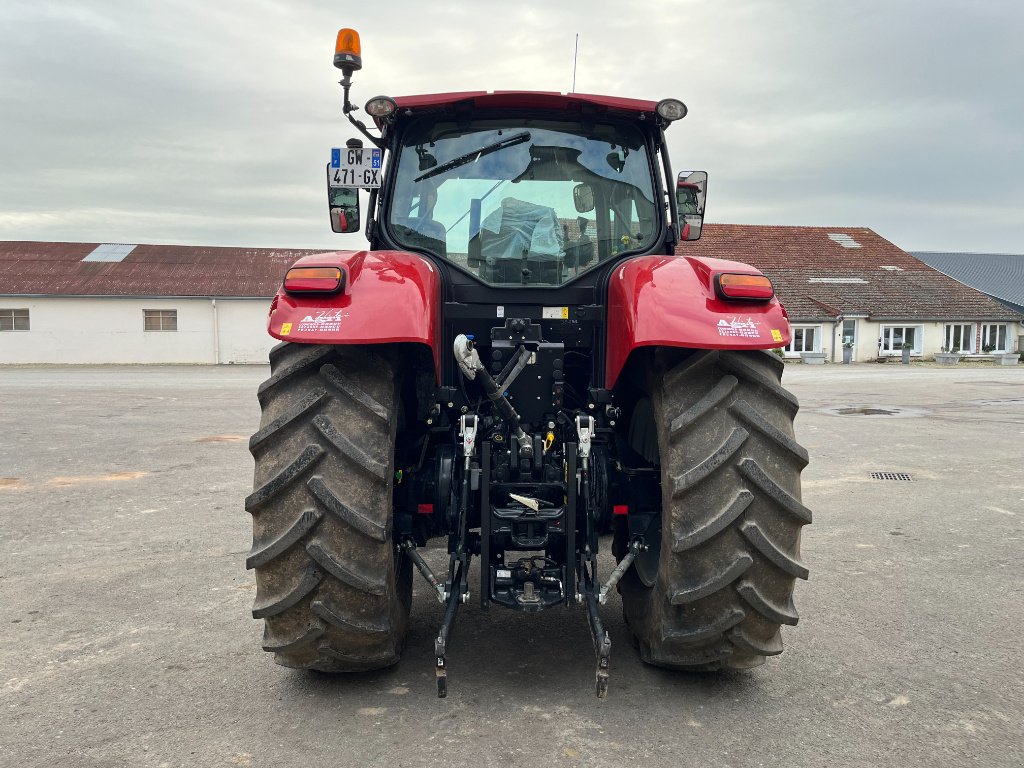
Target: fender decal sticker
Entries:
(744, 328)
(321, 321)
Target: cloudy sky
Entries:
(209, 123)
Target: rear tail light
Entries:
(314, 280)
(744, 287)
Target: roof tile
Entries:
(790, 256)
(37, 268)
(793, 256)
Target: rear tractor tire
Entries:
(332, 590)
(715, 590)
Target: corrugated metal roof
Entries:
(1000, 275)
(61, 269)
(816, 277)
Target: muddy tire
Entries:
(720, 585)
(331, 591)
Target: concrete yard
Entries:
(126, 637)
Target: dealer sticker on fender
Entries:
(743, 328)
(322, 321)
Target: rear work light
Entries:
(314, 280)
(381, 106)
(671, 109)
(743, 287)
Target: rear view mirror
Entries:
(344, 205)
(583, 197)
(691, 191)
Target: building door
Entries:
(849, 332)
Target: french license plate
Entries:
(354, 167)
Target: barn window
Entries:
(806, 338)
(160, 319)
(959, 337)
(994, 337)
(13, 319)
(895, 336)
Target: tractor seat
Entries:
(519, 236)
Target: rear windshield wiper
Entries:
(469, 157)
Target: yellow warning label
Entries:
(555, 313)
(776, 334)
(286, 328)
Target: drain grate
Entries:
(891, 476)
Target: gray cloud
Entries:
(210, 123)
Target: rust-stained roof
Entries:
(814, 275)
(57, 269)
(817, 278)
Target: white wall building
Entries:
(849, 285)
(101, 329)
(82, 303)
(86, 303)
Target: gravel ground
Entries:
(126, 638)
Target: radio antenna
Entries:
(574, 55)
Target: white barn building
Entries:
(850, 286)
(119, 303)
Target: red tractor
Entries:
(519, 366)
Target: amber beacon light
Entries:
(347, 52)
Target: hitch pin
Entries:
(634, 549)
(585, 429)
(467, 430)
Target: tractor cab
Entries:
(523, 201)
(521, 189)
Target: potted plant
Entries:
(907, 349)
(948, 356)
(847, 352)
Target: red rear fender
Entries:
(670, 301)
(388, 296)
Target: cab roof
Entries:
(527, 100)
